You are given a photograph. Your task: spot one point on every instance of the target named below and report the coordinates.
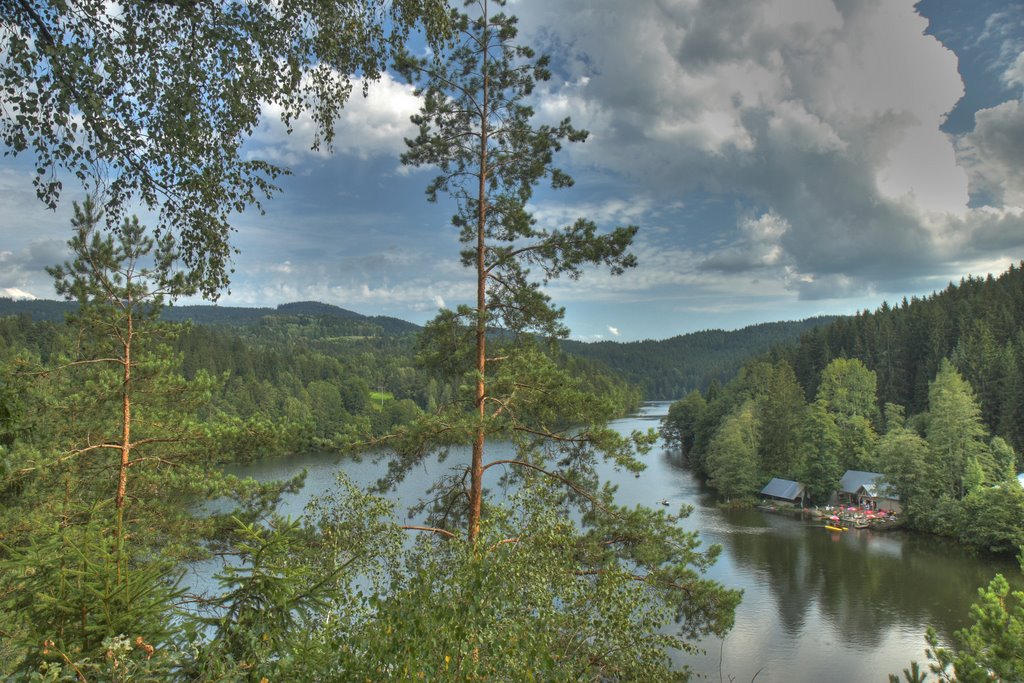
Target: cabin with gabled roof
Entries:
(868, 489)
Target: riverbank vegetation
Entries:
(929, 394)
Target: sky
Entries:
(782, 159)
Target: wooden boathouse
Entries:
(786, 491)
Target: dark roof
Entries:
(855, 480)
(783, 488)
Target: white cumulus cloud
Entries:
(374, 125)
(823, 116)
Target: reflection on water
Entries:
(817, 605)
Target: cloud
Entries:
(1014, 74)
(994, 152)
(759, 246)
(552, 214)
(1003, 28)
(15, 293)
(374, 125)
(24, 270)
(823, 119)
(371, 288)
(614, 331)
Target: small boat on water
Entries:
(835, 528)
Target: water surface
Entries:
(817, 605)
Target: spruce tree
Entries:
(956, 434)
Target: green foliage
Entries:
(269, 600)
(993, 643)
(821, 446)
(780, 415)
(475, 128)
(914, 674)
(679, 428)
(533, 600)
(976, 323)
(112, 416)
(152, 103)
(527, 591)
(849, 389)
(732, 459)
(956, 434)
(761, 408)
(557, 581)
(1004, 460)
(668, 368)
(992, 518)
(71, 589)
(950, 476)
(909, 467)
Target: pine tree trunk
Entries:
(126, 435)
(477, 466)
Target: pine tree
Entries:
(475, 128)
(780, 414)
(120, 295)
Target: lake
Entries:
(817, 605)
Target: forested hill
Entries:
(357, 324)
(663, 369)
(978, 324)
(672, 367)
(929, 394)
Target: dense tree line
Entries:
(286, 371)
(949, 455)
(662, 369)
(978, 324)
(670, 368)
(234, 316)
(317, 377)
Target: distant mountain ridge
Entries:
(670, 368)
(664, 369)
(206, 314)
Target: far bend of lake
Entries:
(817, 605)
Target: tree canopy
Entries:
(151, 102)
